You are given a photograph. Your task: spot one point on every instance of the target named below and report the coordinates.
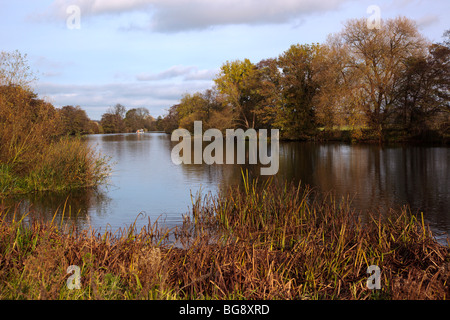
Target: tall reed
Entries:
(278, 241)
(34, 155)
(319, 247)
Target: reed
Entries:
(276, 242)
(34, 153)
(324, 246)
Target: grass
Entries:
(67, 164)
(259, 241)
(35, 154)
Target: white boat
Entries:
(140, 131)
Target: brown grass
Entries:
(34, 154)
(282, 243)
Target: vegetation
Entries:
(269, 241)
(286, 242)
(376, 84)
(35, 152)
(117, 120)
(75, 121)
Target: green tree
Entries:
(235, 94)
(295, 115)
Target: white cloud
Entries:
(184, 72)
(96, 99)
(49, 68)
(172, 72)
(181, 15)
(427, 20)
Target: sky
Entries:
(148, 53)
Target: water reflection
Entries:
(146, 181)
(376, 177)
(76, 206)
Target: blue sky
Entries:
(148, 53)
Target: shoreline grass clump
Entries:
(323, 247)
(275, 241)
(35, 154)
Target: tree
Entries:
(232, 86)
(296, 113)
(118, 110)
(337, 101)
(113, 120)
(159, 124)
(14, 69)
(138, 118)
(170, 121)
(377, 58)
(424, 90)
(75, 120)
(267, 92)
(377, 83)
(27, 126)
(190, 109)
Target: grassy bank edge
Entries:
(279, 243)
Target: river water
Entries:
(145, 183)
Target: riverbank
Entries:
(37, 152)
(64, 165)
(393, 135)
(282, 243)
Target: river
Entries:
(145, 183)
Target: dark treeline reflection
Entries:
(375, 177)
(146, 184)
(75, 207)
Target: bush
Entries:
(34, 154)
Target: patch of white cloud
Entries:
(97, 98)
(179, 71)
(427, 20)
(181, 15)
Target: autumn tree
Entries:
(159, 124)
(296, 113)
(138, 118)
(27, 123)
(267, 92)
(376, 83)
(377, 58)
(15, 70)
(235, 93)
(338, 99)
(424, 91)
(113, 120)
(171, 119)
(75, 120)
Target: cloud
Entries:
(96, 99)
(49, 68)
(184, 72)
(181, 15)
(172, 72)
(427, 20)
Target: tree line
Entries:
(21, 108)
(75, 121)
(36, 150)
(117, 119)
(362, 84)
